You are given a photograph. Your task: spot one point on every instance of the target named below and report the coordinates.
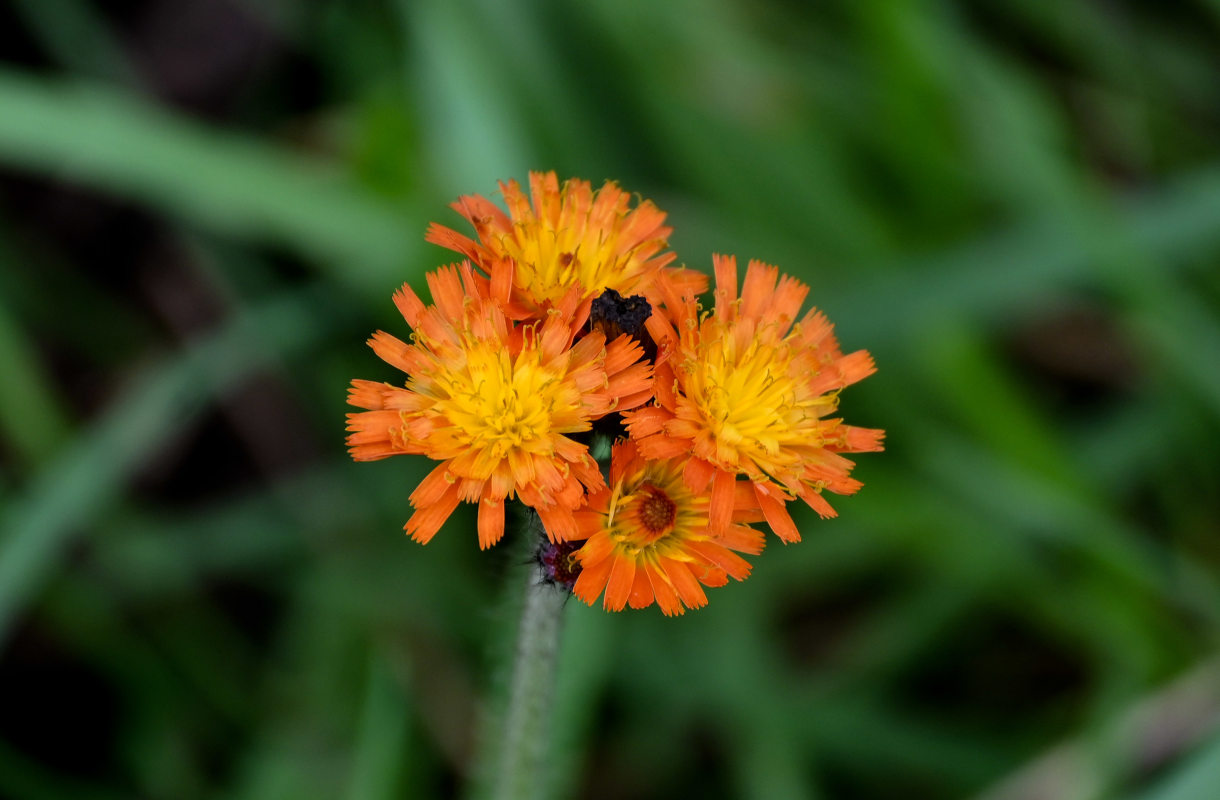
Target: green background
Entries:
(1014, 205)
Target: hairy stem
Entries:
(525, 737)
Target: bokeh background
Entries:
(1014, 204)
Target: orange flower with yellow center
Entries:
(745, 391)
(648, 538)
(568, 236)
(494, 402)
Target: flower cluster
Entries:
(566, 321)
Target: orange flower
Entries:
(648, 538)
(569, 236)
(493, 401)
(744, 391)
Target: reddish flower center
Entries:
(559, 563)
(656, 510)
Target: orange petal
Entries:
(502, 280)
(641, 590)
(786, 303)
(645, 421)
(433, 486)
(858, 440)
(373, 452)
(622, 353)
(558, 522)
(772, 503)
(745, 503)
(587, 523)
(743, 539)
(471, 490)
(720, 510)
(592, 580)
(684, 583)
(618, 587)
(447, 294)
(637, 399)
(758, 289)
(697, 473)
(687, 281)
(396, 352)
(597, 548)
(661, 332)
(664, 592)
(500, 483)
(585, 470)
(374, 426)
(708, 574)
(726, 285)
(367, 394)
(843, 372)
(660, 446)
(491, 523)
(554, 338)
(409, 304)
(635, 379)
(451, 240)
(814, 500)
(427, 520)
(665, 384)
(817, 333)
(722, 557)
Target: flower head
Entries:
(494, 402)
(745, 391)
(648, 538)
(558, 563)
(568, 236)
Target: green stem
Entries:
(524, 739)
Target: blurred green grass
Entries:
(1012, 205)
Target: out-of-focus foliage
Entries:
(204, 208)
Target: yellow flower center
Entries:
(751, 397)
(549, 261)
(497, 405)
